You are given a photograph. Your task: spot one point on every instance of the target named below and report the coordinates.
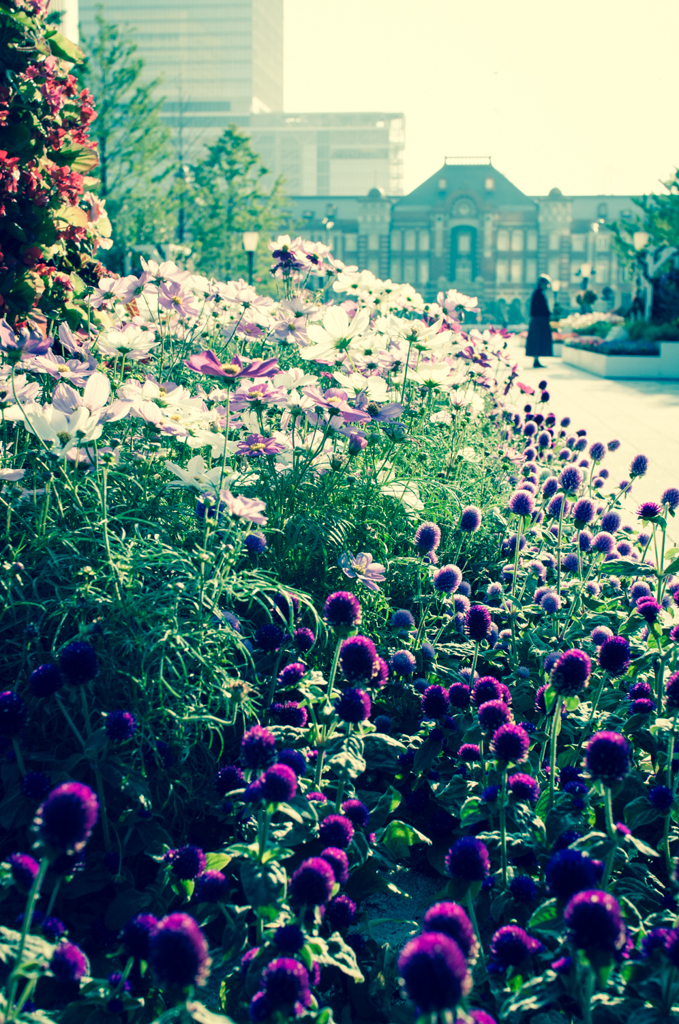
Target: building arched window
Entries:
(503, 240)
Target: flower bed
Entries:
(293, 598)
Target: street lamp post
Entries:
(250, 240)
(556, 288)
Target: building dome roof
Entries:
(555, 193)
(376, 193)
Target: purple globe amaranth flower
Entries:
(35, 785)
(654, 942)
(570, 871)
(569, 562)
(304, 639)
(649, 510)
(670, 497)
(402, 619)
(13, 713)
(522, 503)
(340, 912)
(211, 887)
(661, 797)
(382, 675)
(461, 604)
(510, 743)
(64, 822)
(523, 889)
(607, 756)
(470, 752)
(358, 659)
(597, 451)
(470, 520)
(336, 830)
(614, 655)
(53, 929)
(524, 788)
(583, 512)
(451, 919)
(338, 861)
(550, 487)
(557, 503)
(610, 522)
(312, 883)
(292, 674)
(427, 537)
(468, 860)
(353, 706)
(286, 982)
(45, 680)
(571, 672)
(228, 778)
(255, 542)
(478, 622)
(639, 589)
(260, 1009)
(342, 610)
(187, 861)
(357, 813)
(642, 706)
(178, 954)
(403, 663)
(600, 634)
(649, 609)
(493, 714)
(603, 543)
(447, 579)
(269, 637)
(24, 870)
(639, 690)
(258, 747)
(511, 945)
(290, 713)
(638, 466)
(570, 479)
(672, 946)
(294, 759)
(69, 963)
(595, 923)
(486, 688)
(434, 972)
(289, 938)
(136, 935)
(459, 696)
(550, 603)
(435, 701)
(120, 726)
(78, 663)
(279, 784)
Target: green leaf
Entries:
(62, 47)
(334, 952)
(572, 703)
(550, 696)
(14, 138)
(385, 806)
(382, 751)
(202, 1015)
(216, 861)
(546, 916)
(399, 836)
(78, 158)
(640, 812)
(626, 567)
(263, 884)
(471, 809)
(671, 568)
(426, 755)
(641, 846)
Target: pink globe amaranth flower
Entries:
(258, 747)
(353, 706)
(342, 610)
(435, 701)
(607, 756)
(24, 870)
(69, 963)
(595, 922)
(336, 830)
(510, 743)
(451, 919)
(66, 819)
(187, 861)
(570, 673)
(478, 622)
(486, 688)
(279, 783)
(178, 952)
(286, 982)
(493, 714)
(468, 860)
(435, 973)
(511, 945)
(338, 861)
(524, 787)
(358, 659)
(312, 883)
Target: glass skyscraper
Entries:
(217, 61)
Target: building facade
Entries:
(468, 227)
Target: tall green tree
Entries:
(657, 214)
(229, 196)
(135, 155)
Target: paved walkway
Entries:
(643, 415)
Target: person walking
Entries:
(539, 340)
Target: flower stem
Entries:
(612, 835)
(553, 735)
(333, 669)
(17, 753)
(503, 825)
(31, 900)
(472, 916)
(586, 728)
(70, 721)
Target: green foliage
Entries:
(229, 197)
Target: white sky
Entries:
(580, 94)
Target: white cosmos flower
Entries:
(132, 341)
(199, 476)
(61, 430)
(334, 336)
(433, 375)
(355, 383)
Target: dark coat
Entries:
(539, 340)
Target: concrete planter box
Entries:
(557, 349)
(661, 367)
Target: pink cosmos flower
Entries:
(336, 402)
(172, 296)
(30, 342)
(245, 508)
(208, 363)
(362, 568)
(257, 394)
(256, 445)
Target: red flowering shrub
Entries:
(50, 225)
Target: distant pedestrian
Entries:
(539, 340)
